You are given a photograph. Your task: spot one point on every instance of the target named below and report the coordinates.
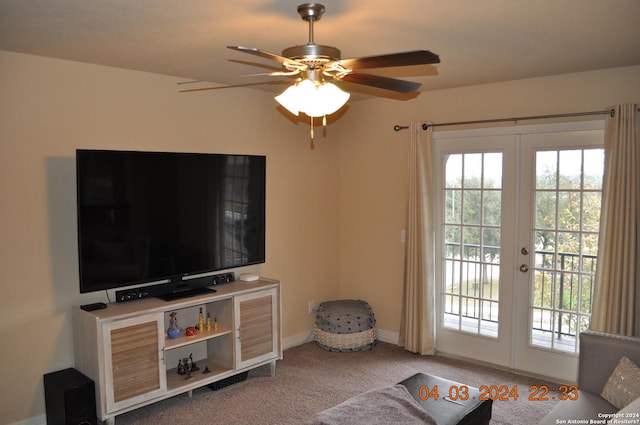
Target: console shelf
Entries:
(187, 340)
(125, 349)
(176, 381)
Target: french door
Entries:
(518, 215)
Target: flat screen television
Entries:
(167, 218)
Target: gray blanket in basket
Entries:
(345, 316)
(381, 406)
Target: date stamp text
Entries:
(501, 393)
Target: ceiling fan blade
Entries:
(269, 83)
(267, 55)
(416, 57)
(261, 74)
(268, 74)
(378, 81)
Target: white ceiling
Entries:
(479, 41)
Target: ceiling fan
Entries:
(314, 66)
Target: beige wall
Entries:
(334, 215)
(51, 107)
(373, 165)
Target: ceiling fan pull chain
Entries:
(311, 135)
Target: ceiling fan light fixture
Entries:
(289, 99)
(315, 100)
(330, 98)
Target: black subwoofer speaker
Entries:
(70, 398)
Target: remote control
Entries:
(93, 306)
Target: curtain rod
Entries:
(425, 126)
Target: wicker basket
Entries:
(345, 325)
(358, 341)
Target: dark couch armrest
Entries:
(599, 356)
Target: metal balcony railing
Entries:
(569, 266)
(479, 261)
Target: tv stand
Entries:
(124, 348)
(187, 293)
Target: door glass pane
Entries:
(472, 169)
(570, 169)
(546, 163)
(453, 200)
(472, 214)
(491, 213)
(453, 171)
(565, 234)
(492, 174)
(472, 204)
(545, 210)
(594, 168)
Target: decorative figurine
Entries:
(186, 366)
(193, 367)
(174, 331)
(190, 331)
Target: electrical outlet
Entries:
(312, 307)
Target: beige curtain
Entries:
(616, 294)
(417, 328)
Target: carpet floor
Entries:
(310, 379)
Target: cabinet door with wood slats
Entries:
(134, 364)
(256, 317)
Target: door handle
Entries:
(524, 268)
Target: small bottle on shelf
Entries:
(208, 321)
(200, 321)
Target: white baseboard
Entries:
(295, 340)
(36, 420)
(388, 336)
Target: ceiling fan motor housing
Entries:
(312, 52)
(311, 11)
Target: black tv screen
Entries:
(158, 216)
